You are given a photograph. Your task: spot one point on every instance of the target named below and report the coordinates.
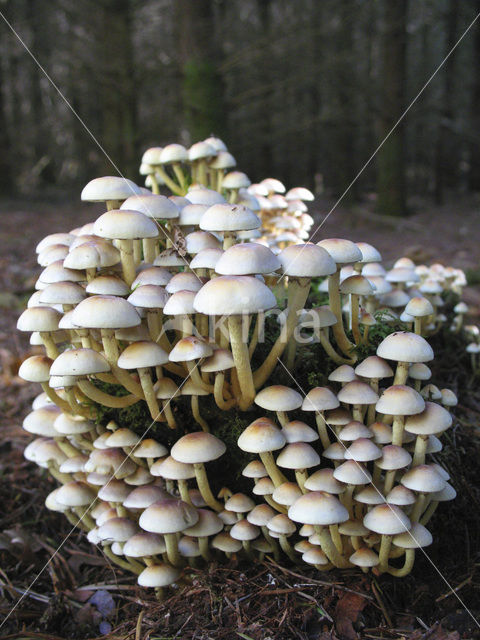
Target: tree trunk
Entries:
(474, 135)
(391, 157)
(445, 156)
(201, 82)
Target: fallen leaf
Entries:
(346, 613)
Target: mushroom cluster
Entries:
(163, 297)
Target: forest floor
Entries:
(79, 595)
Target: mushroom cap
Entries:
(364, 557)
(41, 421)
(244, 530)
(369, 495)
(68, 424)
(343, 373)
(54, 239)
(419, 307)
(152, 206)
(206, 259)
(39, 319)
(306, 261)
(230, 295)
(117, 529)
(286, 493)
(153, 275)
(190, 348)
(357, 392)
(324, 480)
(108, 188)
(165, 389)
(387, 519)
(191, 214)
(423, 478)
(255, 469)
(281, 524)
(247, 258)
(357, 285)
(62, 293)
(223, 160)
(261, 436)
(142, 497)
(168, 516)
(417, 537)
(124, 224)
(172, 469)
(297, 431)
(403, 346)
(150, 448)
(105, 312)
(107, 285)
(158, 575)
(363, 450)
(394, 457)
(144, 544)
(264, 487)
(320, 399)
(374, 367)
(351, 472)
(220, 360)
(235, 180)
(35, 369)
(260, 515)
(342, 251)
(224, 542)
(298, 455)
(239, 503)
(79, 362)
(142, 354)
(278, 398)
(433, 419)
(75, 494)
(208, 524)
(122, 437)
(198, 447)
(354, 430)
(369, 253)
(198, 241)
(148, 296)
(229, 217)
(400, 400)
(401, 496)
(419, 371)
(318, 508)
(184, 281)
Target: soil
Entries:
(78, 594)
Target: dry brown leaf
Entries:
(346, 613)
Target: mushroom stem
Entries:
(54, 397)
(242, 361)
(286, 548)
(401, 374)
(147, 386)
(149, 249)
(336, 537)
(322, 429)
(335, 304)
(256, 333)
(172, 549)
(418, 508)
(273, 471)
(177, 170)
(127, 260)
(407, 566)
(95, 394)
(204, 548)
(282, 417)
(196, 414)
(111, 353)
(389, 480)
(417, 326)
(329, 549)
(168, 414)
(330, 351)
(298, 290)
(125, 564)
(383, 554)
(204, 487)
(218, 393)
(301, 476)
(397, 430)
(49, 344)
(183, 490)
(420, 450)
(354, 312)
(171, 184)
(428, 513)
(196, 377)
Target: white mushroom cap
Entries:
(108, 188)
(260, 436)
(79, 362)
(306, 261)
(318, 508)
(158, 575)
(197, 447)
(230, 295)
(434, 419)
(142, 354)
(278, 398)
(168, 516)
(229, 217)
(247, 258)
(387, 520)
(400, 400)
(152, 206)
(342, 251)
(105, 312)
(405, 347)
(417, 537)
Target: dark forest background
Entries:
(303, 90)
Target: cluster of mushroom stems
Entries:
(166, 296)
